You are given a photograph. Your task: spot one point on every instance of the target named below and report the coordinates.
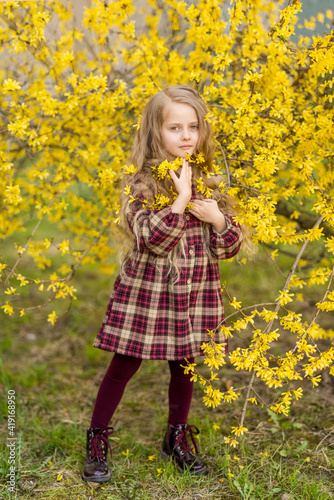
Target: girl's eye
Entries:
(194, 127)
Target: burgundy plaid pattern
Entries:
(148, 317)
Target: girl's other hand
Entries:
(208, 211)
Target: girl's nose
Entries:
(185, 135)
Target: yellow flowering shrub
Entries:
(70, 103)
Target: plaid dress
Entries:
(148, 316)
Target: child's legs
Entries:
(120, 370)
(180, 392)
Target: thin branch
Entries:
(318, 310)
(87, 250)
(39, 306)
(284, 252)
(268, 327)
(33, 233)
(227, 168)
(273, 261)
(323, 439)
(260, 398)
(245, 309)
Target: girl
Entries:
(167, 294)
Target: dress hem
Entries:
(149, 357)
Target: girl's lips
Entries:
(186, 147)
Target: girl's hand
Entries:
(183, 182)
(182, 185)
(208, 211)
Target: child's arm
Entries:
(226, 244)
(159, 231)
(208, 211)
(225, 234)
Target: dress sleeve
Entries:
(227, 244)
(155, 230)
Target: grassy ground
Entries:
(55, 373)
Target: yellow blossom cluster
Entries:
(71, 99)
(161, 171)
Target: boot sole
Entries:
(101, 479)
(179, 468)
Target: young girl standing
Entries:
(168, 293)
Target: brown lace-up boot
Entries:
(96, 468)
(175, 447)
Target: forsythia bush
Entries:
(70, 100)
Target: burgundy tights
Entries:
(120, 370)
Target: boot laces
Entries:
(100, 443)
(182, 440)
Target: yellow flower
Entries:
(64, 247)
(131, 169)
(316, 380)
(235, 304)
(19, 127)
(285, 297)
(127, 453)
(298, 393)
(23, 281)
(252, 400)
(162, 170)
(52, 317)
(226, 331)
(239, 431)
(10, 85)
(13, 195)
(8, 309)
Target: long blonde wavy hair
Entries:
(148, 150)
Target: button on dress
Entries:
(149, 316)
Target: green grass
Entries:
(56, 373)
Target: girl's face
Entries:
(179, 129)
